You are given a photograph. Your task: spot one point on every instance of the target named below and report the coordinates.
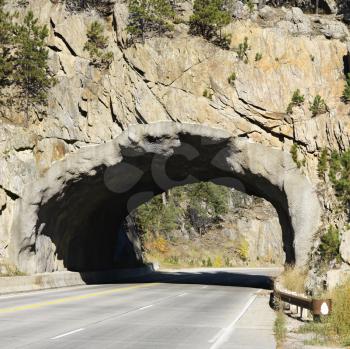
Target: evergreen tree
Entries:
(31, 62)
(6, 46)
(209, 17)
(149, 15)
(346, 92)
(96, 46)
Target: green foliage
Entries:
(149, 16)
(279, 327)
(294, 152)
(258, 56)
(339, 174)
(103, 7)
(318, 106)
(242, 50)
(31, 74)
(6, 45)
(242, 249)
(208, 19)
(250, 5)
(207, 94)
(297, 100)
(346, 92)
(322, 163)
(96, 46)
(155, 218)
(232, 78)
(329, 246)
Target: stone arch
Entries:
(69, 218)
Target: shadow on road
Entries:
(221, 278)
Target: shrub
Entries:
(294, 152)
(232, 78)
(208, 19)
(258, 56)
(346, 92)
(207, 94)
(218, 262)
(149, 16)
(297, 100)
(293, 279)
(318, 106)
(250, 5)
(339, 174)
(242, 249)
(322, 163)
(329, 246)
(96, 46)
(242, 50)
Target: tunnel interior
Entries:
(83, 226)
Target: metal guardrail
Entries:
(316, 306)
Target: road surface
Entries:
(194, 309)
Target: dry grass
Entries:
(334, 329)
(8, 269)
(279, 328)
(293, 279)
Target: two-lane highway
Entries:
(185, 309)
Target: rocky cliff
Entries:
(165, 79)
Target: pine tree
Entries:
(31, 61)
(209, 17)
(6, 46)
(96, 46)
(149, 15)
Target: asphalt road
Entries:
(191, 309)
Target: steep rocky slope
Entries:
(165, 79)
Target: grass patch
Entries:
(333, 329)
(8, 269)
(293, 279)
(279, 328)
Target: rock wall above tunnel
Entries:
(69, 218)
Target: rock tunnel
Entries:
(70, 218)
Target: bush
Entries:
(242, 50)
(294, 153)
(293, 279)
(346, 92)
(329, 246)
(339, 174)
(242, 249)
(322, 163)
(232, 78)
(258, 56)
(149, 16)
(208, 19)
(297, 100)
(207, 94)
(96, 46)
(318, 106)
(104, 7)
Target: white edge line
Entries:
(68, 333)
(224, 333)
(145, 307)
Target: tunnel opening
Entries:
(82, 224)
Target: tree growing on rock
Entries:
(6, 47)
(31, 76)
(208, 19)
(346, 92)
(96, 46)
(149, 16)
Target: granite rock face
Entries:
(164, 80)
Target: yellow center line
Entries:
(72, 298)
